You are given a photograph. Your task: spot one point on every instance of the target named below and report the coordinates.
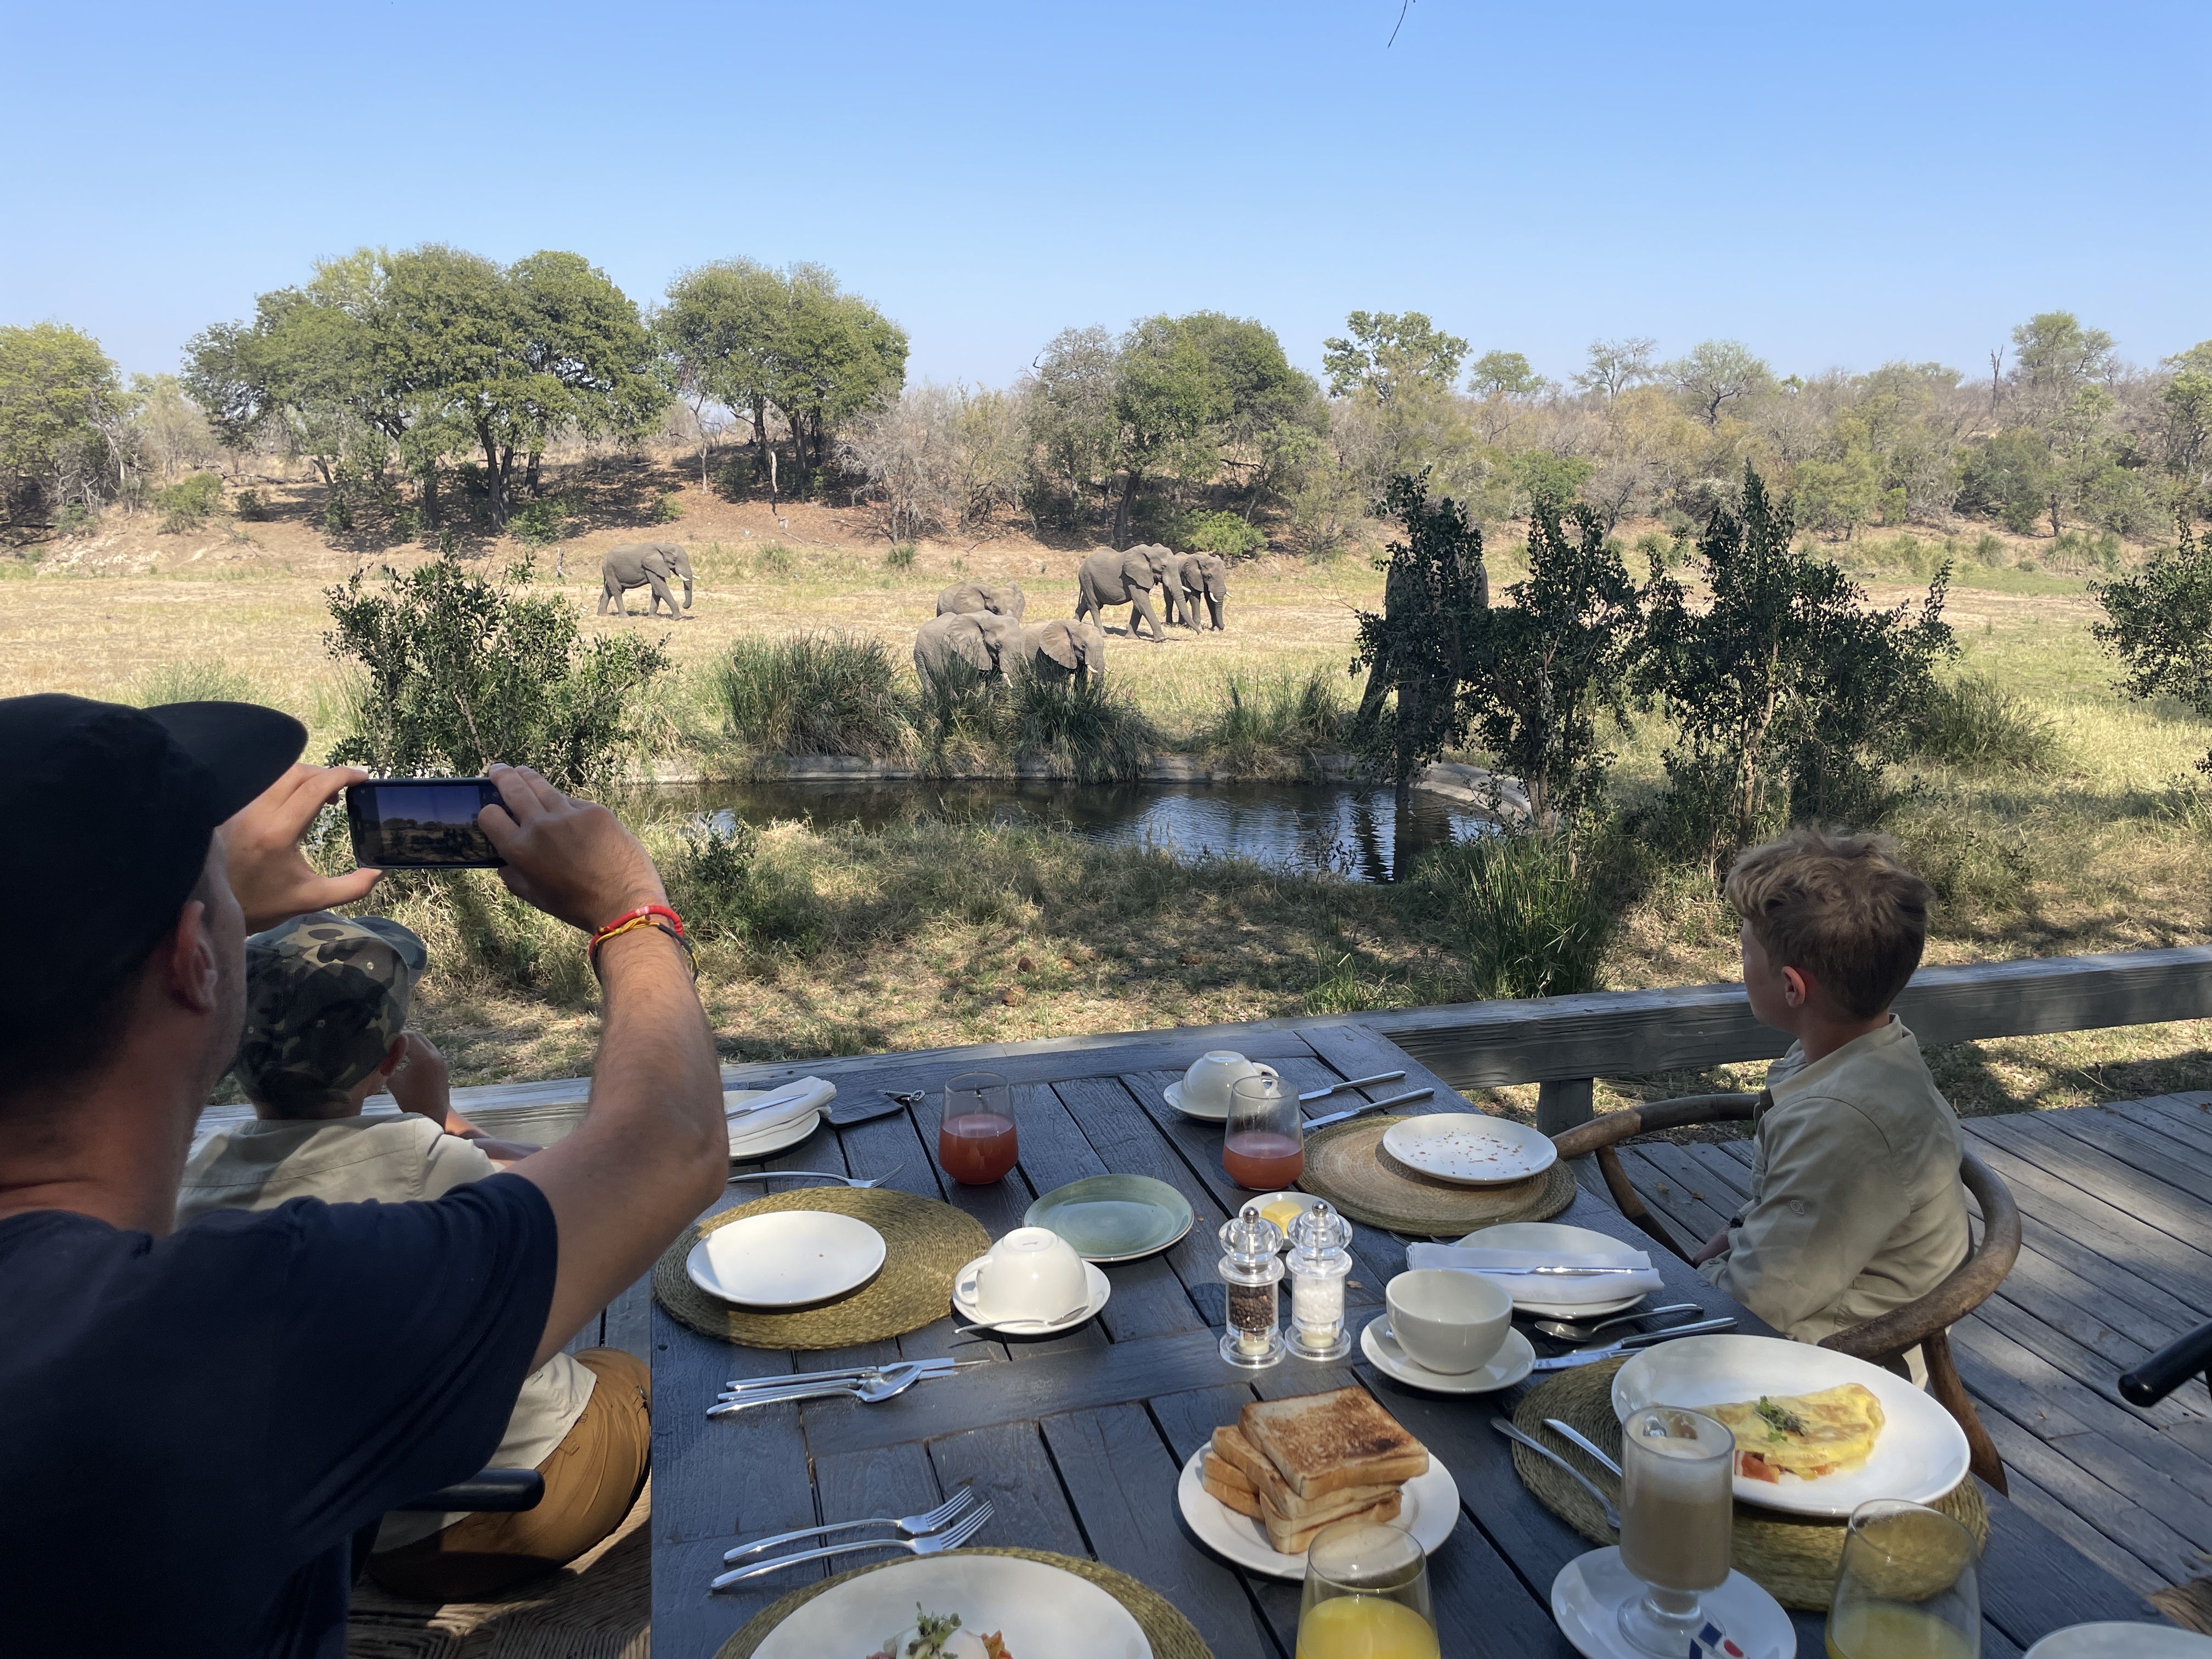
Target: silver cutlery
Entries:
(1016, 1324)
(1568, 1330)
(1612, 1514)
(951, 1539)
(738, 1386)
(1643, 1340)
(768, 1103)
(814, 1175)
(872, 1391)
(1371, 1106)
(1553, 1272)
(1350, 1083)
(908, 1097)
(1605, 1462)
(908, 1526)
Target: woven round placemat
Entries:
(1794, 1556)
(1346, 1165)
(926, 1244)
(1172, 1636)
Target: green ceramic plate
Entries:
(1113, 1217)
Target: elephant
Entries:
(965, 599)
(1065, 650)
(988, 643)
(644, 564)
(1202, 575)
(1125, 577)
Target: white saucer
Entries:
(1203, 1114)
(1429, 1509)
(2121, 1641)
(785, 1259)
(769, 1142)
(1591, 1590)
(1567, 1241)
(964, 1302)
(1511, 1364)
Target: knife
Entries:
(1645, 1340)
(1351, 1082)
(1372, 1106)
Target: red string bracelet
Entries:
(640, 917)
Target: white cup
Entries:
(1206, 1085)
(1030, 1274)
(1446, 1320)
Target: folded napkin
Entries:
(1559, 1290)
(754, 1113)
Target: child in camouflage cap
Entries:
(327, 998)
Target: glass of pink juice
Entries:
(1263, 1145)
(976, 1142)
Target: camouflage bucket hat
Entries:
(325, 997)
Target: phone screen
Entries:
(421, 824)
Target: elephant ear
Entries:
(1057, 641)
(1138, 569)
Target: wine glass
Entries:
(976, 1142)
(1677, 1514)
(1908, 1585)
(1366, 1595)
(1263, 1145)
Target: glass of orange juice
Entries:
(1367, 1595)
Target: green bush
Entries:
(1226, 533)
(1527, 910)
(965, 722)
(901, 557)
(1084, 729)
(1975, 724)
(252, 508)
(192, 679)
(816, 694)
(666, 510)
(76, 518)
(189, 503)
(773, 562)
(337, 512)
(1975, 868)
(545, 520)
(1264, 719)
(725, 891)
(1989, 550)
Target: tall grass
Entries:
(1080, 727)
(193, 679)
(1262, 722)
(1975, 724)
(816, 694)
(1530, 915)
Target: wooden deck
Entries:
(2115, 1261)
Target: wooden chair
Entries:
(1881, 1342)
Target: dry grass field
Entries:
(940, 933)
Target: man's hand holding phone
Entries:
(571, 859)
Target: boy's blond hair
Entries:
(1838, 906)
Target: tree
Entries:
(2054, 355)
(2159, 624)
(1616, 365)
(1788, 696)
(174, 434)
(1382, 351)
(62, 408)
(1718, 371)
(1071, 410)
(717, 327)
(1434, 592)
(1503, 375)
(2009, 475)
(835, 354)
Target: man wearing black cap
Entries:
(193, 1425)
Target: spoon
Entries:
(871, 1393)
(1568, 1331)
(1010, 1324)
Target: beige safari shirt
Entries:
(348, 1160)
(1855, 1205)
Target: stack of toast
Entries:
(1296, 1466)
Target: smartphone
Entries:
(421, 824)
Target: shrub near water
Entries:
(1095, 734)
(1528, 912)
(816, 694)
(1264, 720)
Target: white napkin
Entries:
(753, 1113)
(1559, 1290)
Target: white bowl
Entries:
(1206, 1085)
(1449, 1322)
(1030, 1274)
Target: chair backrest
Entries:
(2169, 1368)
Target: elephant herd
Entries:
(982, 625)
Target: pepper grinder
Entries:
(1319, 1262)
(1250, 1268)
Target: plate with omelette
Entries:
(1817, 1432)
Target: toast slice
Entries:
(1232, 1448)
(1234, 1460)
(1239, 1498)
(1321, 1443)
(1217, 1468)
(1290, 1538)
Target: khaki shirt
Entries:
(1855, 1205)
(347, 1160)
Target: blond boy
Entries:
(1855, 1206)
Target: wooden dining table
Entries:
(1078, 1440)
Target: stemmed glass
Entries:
(976, 1142)
(1908, 1585)
(1677, 1514)
(1263, 1145)
(1367, 1595)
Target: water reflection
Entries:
(1353, 830)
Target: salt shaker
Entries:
(1250, 1268)
(1319, 1262)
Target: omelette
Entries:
(1807, 1435)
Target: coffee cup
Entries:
(1030, 1274)
(1446, 1320)
(1206, 1085)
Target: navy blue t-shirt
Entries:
(193, 1428)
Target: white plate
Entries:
(1429, 1509)
(766, 1142)
(1567, 1241)
(1588, 1594)
(1511, 1364)
(1203, 1114)
(1042, 1612)
(785, 1259)
(1920, 1455)
(1471, 1149)
(963, 1303)
(2121, 1641)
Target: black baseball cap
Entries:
(104, 814)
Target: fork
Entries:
(868, 1391)
(909, 1526)
(1605, 1505)
(951, 1539)
(739, 1387)
(1568, 1330)
(816, 1174)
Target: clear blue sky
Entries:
(1835, 183)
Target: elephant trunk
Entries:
(687, 593)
